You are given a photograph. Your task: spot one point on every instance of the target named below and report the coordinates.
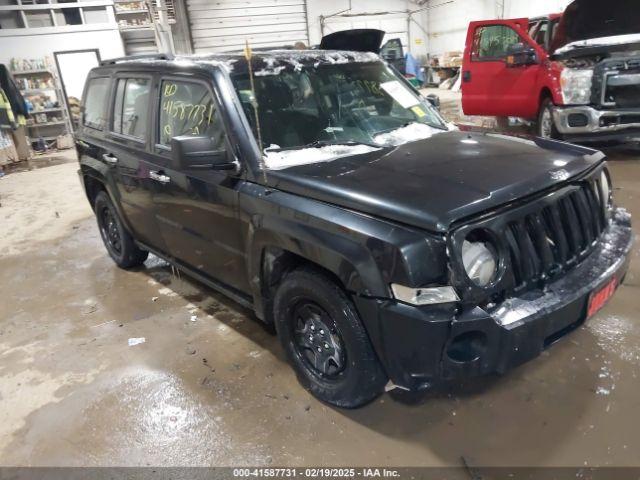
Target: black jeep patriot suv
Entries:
(388, 247)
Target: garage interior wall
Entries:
(31, 45)
(447, 24)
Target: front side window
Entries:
(188, 109)
(130, 113)
(334, 103)
(492, 42)
(95, 103)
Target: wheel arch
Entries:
(95, 181)
(275, 251)
(93, 186)
(545, 93)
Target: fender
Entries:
(364, 253)
(550, 81)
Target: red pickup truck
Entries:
(576, 74)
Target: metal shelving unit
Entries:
(58, 121)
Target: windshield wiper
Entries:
(439, 127)
(327, 143)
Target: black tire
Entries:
(117, 240)
(545, 126)
(502, 124)
(353, 375)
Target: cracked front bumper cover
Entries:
(415, 344)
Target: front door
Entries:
(489, 86)
(197, 209)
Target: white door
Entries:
(225, 25)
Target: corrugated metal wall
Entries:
(225, 25)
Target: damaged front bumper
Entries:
(420, 346)
(588, 124)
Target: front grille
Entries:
(621, 92)
(616, 83)
(546, 242)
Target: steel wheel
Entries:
(317, 341)
(546, 124)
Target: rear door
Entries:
(197, 209)
(128, 152)
(489, 86)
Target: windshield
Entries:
(318, 105)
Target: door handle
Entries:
(110, 159)
(466, 76)
(159, 177)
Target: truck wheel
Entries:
(502, 123)
(545, 126)
(117, 240)
(325, 341)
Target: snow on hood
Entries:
(600, 42)
(409, 133)
(278, 159)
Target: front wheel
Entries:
(545, 126)
(325, 341)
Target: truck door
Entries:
(197, 209)
(489, 85)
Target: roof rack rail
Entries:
(133, 58)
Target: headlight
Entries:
(576, 85)
(480, 262)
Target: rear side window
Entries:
(95, 103)
(131, 109)
(188, 109)
(491, 42)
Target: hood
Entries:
(433, 183)
(585, 20)
(357, 40)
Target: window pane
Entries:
(95, 105)
(188, 109)
(10, 20)
(38, 19)
(95, 15)
(541, 35)
(493, 41)
(132, 107)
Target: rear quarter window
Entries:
(95, 103)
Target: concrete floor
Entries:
(210, 386)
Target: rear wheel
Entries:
(118, 242)
(545, 126)
(325, 341)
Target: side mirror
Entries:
(520, 54)
(434, 100)
(198, 153)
